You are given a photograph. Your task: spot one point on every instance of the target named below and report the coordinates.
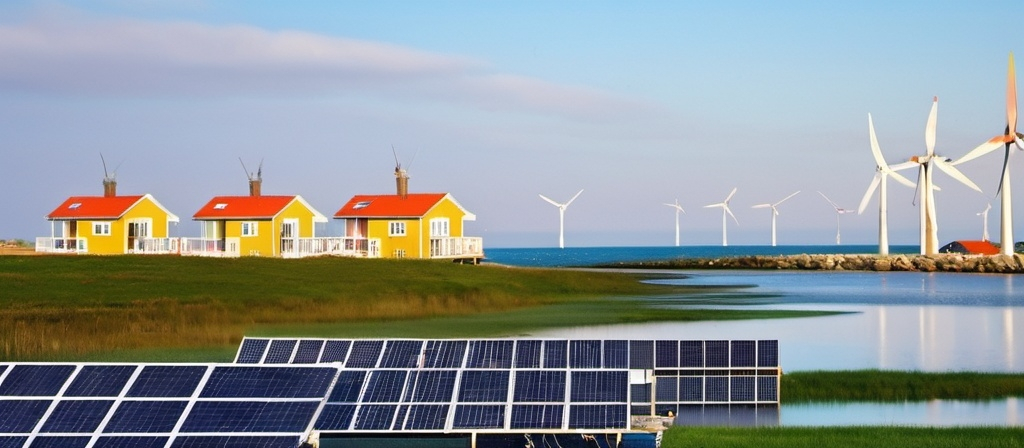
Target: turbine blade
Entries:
(787, 198)
(761, 206)
(899, 177)
(720, 204)
(730, 214)
(1011, 98)
(829, 200)
(876, 151)
(955, 173)
(929, 129)
(549, 200)
(871, 190)
(573, 198)
(730, 196)
(982, 149)
(1006, 166)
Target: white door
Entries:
(290, 238)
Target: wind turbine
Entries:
(984, 221)
(561, 217)
(882, 173)
(725, 210)
(678, 210)
(929, 225)
(775, 212)
(839, 211)
(1010, 135)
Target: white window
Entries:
(399, 253)
(396, 228)
(250, 228)
(439, 227)
(101, 228)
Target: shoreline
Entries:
(998, 264)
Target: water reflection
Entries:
(925, 413)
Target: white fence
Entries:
(460, 247)
(62, 245)
(342, 246)
(155, 246)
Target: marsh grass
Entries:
(879, 385)
(801, 437)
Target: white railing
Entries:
(342, 246)
(62, 245)
(155, 246)
(457, 247)
(204, 247)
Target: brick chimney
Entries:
(109, 188)
(402, 182)
(254, 187)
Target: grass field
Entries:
(894, 436)
(876, 385)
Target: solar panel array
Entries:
(523, 384)
(159, 405)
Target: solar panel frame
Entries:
(251, 351)
(308, 351)
(280, 351)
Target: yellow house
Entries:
(423, 225)
(109, 224)
(254, 225)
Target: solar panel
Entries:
(539, 386)
(599, 386)
(308, 351)
(250, 416)
(145, 417)
(555, 354)
(167, 381)
(584, 354)
(768, 388)
(77, 416)
(484, 386)
(490, 354)
(716, 388)
(716, 353)
(364, 354)
(251, 351)
(444, 354)
(375, 416)
(424, 417)
(280, 351)
(691, 388)
(130, 442)
(35, 380)
(431, 386)
(21, 416)
(100, 381)
(616, 354)
(385, 386)
(641, 354)
(60, 442)
(767, 353)
(335, 351)
(741, 388)
(12, 442)
(399, 354)
(528, 354)
(691, 353)
(236, 442)
(743, 354)
(479, 416)
(537, 416)
(287, 382)
(597, 416)
(336, 417)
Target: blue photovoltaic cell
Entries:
(528, 354)
(741, 388)
(385, 386)
(60, 442)
(479, 416)
(335, 417)
(280, 351)
(597, 416)
(716, 388)
(444, 354)
(35, 380)
(490, 354)
(716, 353)
(431, 386)
(236, 442)
(426, 416)
(767, 353)
(145, 416)
(767, 388)
(640, 393)
(252, 350)
(167, 381)
(556, 354)
(666, 354)
(12, 442)
(742, 354)
(77, 416)
(250, 416)
(335, 351)
(666, 389)
(641, 354)
(539, 385)
(21, 416)
(100, 381)
(484, 386)
(585, 354)
(308, 351)
(130, 442)
(691, 353)
(399, 354)
(375, 416)
(268, 382)
(364, 354)
(691, 388)
(616, 354)
(536, 416)
(348, 386)
(603, 387)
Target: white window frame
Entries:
(396, 228)
(101, 228)
(440, 228)
(250, 228)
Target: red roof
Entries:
(243, 207)
(94, 207)
(414, 205)
(980, 247)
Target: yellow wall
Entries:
(267, 242)
(416, 241)
(117, 241)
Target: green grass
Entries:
(885, 436)
(877, 385)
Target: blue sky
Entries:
(637, 103)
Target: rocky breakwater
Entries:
(922, 263)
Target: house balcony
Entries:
(208, 247)
(57, 245)
(457, 247)
(341, 246)
(154, 246)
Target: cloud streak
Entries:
(134, 58)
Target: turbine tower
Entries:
(929, 225)
(561, 217)
(678, 211)
(1010, 135)
(984, 221)
(839, 211)
(882, 173)
(775, 212)
(724, 205)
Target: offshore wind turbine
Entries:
(984, 221)
(1010, 135)
(724, 205)
(561, 217)
(929, 225)
(882, 173)
(678, 211)
(775, 212)
(839, 211)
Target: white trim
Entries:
(100, 228)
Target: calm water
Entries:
(586, 256)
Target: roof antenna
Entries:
(247, 174)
